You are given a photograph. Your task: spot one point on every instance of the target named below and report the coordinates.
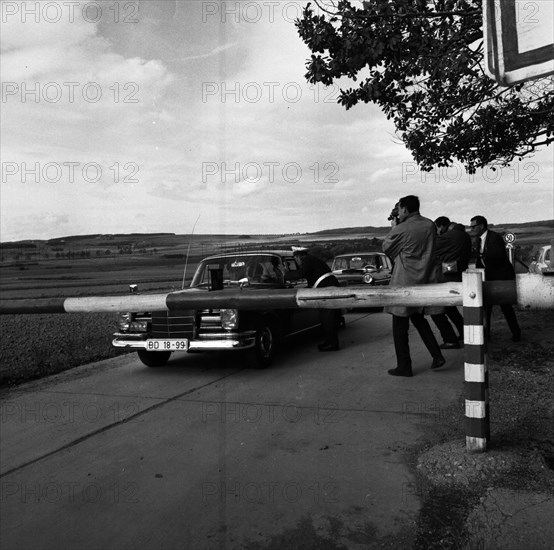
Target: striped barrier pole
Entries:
(476, 376)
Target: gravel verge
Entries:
(466, 497)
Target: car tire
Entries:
(154, 358)
(265, 344)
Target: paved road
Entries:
(204, 453)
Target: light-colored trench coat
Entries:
(411, 246)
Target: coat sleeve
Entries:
(394, 242)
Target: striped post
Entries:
(476, 376)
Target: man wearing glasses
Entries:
(491, 255)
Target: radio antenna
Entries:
(188, 252)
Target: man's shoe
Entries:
(398, 372)
(516, 337)
(450, 345)
(328, 347)
(438, 362)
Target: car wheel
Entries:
(154, 358)
(265, 345)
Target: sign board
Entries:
(509, 238)
(519, 39)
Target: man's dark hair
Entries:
(410, 203)
(442, 221)
(481, 220)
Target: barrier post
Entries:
(476, 376)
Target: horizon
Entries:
(241, 234)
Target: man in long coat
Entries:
(411, 246)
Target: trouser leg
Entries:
(511, 318)
(445, 328)
(400, 326)
(422, 326)
(329, 319)
(453, 313)
(487, 321)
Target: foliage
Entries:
(422, 61)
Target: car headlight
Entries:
(124, 321)
(367, 278)
(229, 318)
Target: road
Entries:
(207, 454)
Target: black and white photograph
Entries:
(277, 275)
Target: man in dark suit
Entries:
(453, 250)
(491, 255)
(318, 275)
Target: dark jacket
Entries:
(495, 259)
(454, 246)
(311, 269)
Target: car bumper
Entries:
(236, 342)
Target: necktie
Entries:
(481, 250)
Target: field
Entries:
(97, 265)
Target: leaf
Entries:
(427, 76)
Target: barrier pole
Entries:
(476, 376)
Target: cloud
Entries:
(213, 52)
(259, 111)
(248, 187)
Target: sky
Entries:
(163, 116)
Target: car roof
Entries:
(360, 254)
(286, 253)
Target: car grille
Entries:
(174, 324)
(210, 326)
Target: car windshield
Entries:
(256, 268)
(356, 261)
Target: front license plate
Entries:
(169, 344)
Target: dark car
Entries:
(368, 268)
(157, 334)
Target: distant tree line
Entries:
(327, 251)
